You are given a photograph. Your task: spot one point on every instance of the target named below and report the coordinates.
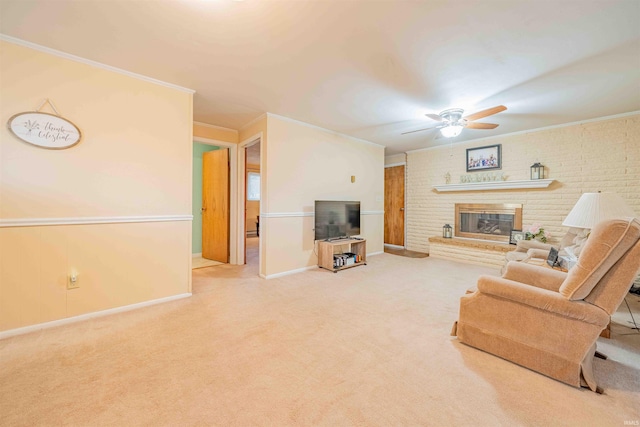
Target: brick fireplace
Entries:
(487, 221)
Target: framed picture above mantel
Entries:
(484, 158)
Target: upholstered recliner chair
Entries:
(547, 320)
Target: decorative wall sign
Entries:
(44, 130)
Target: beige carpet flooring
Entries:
(629, 313)
(199, 262)
(368, 346)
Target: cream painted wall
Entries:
(395, 159)
(590, 157)
(304, 164)
(133, 163)
(133, 133)
(117, 265)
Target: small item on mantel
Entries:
(537, 171)
(447, 178)
(447, 231)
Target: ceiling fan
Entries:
(452, 122)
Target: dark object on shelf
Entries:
(537, 171)
(516, 235)
(552, 258)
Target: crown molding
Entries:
(353, 138)
(254, 121)
(90, 62)
(207, 125)
(393, 165)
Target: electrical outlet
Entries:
(73, 282)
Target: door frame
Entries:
(404, 213)
(242, 196)
(233, 196)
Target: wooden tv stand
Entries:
(326, 250)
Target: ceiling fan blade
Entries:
(435, 117)
(485, 113)
(420, 130)
(475, 125)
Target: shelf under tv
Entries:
(327, 248)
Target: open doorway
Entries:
(252, 202)
(237, 199)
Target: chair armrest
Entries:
(525, 245)
(538, 253)
(542, 299)
(535, 275)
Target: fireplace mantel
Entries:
(495, 185)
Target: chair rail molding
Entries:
(33, 222)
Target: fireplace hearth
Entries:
(487, 221)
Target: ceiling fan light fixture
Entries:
(451, 121)
(451, 131)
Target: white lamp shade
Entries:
(451, 131)
(592, 208)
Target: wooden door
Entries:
(394, 205)
(215, 205)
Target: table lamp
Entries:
(589, 210)
(592, 208)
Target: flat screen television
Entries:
(335, 219)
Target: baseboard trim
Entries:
(87, 316)
(287, 273)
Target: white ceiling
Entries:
(369, 69)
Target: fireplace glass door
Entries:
(488, 221)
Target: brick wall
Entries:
(590, 157)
